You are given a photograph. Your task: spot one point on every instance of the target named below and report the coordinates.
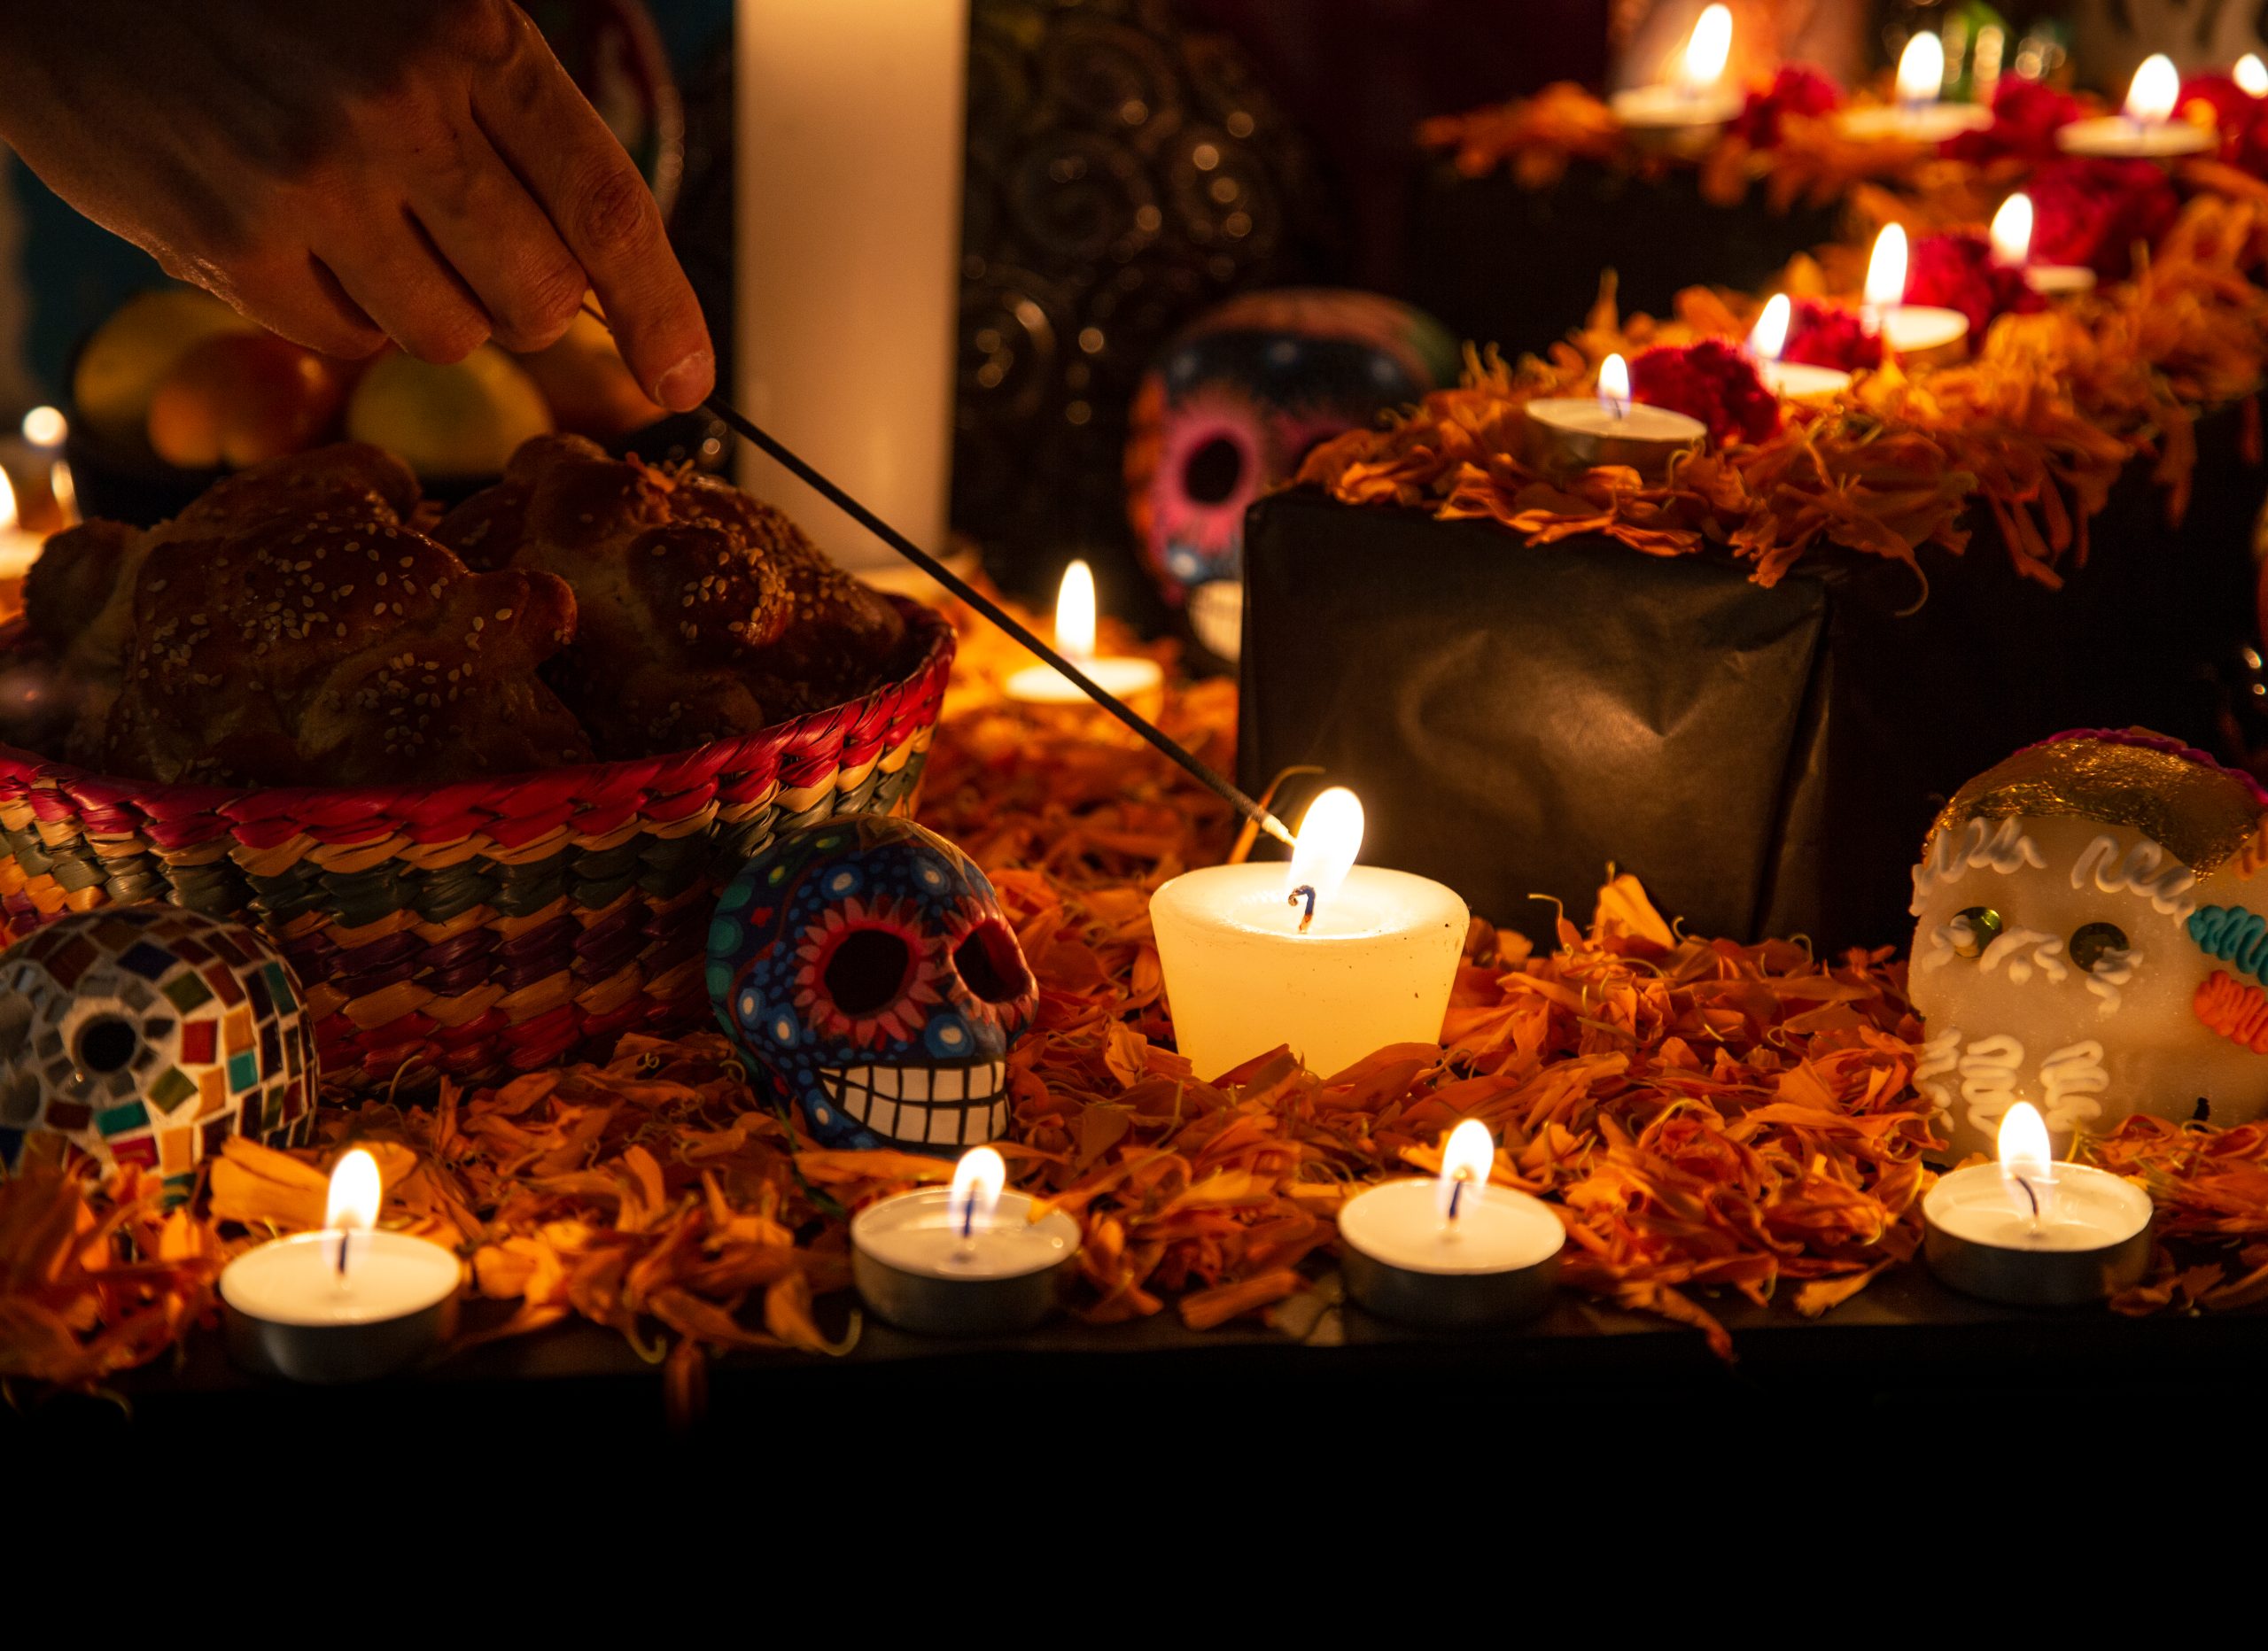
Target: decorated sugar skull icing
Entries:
(2089, 938)
(867, 973)
(1233, 406)
(148, 1034)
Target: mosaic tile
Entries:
(171, 1087)
(199, 1039)
(271, 1049)
(117, 1119)
(68, 1116)
(187, 993)
(256, 989)
(243, 1071)
(141, 1151)
(222, 980)
(149, 961)
(236, 1032)
(177, 1149)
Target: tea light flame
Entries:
(7, 502)
(1707, 49)
(1074, 612)
(1886, 270)
(2250, 76)
(1329, 837)
(1614, 386)
(2027, 1162)
(977, 1181)
(2153, 91)
(351, 1206)
(1467, 1157)
(2011, 230)
(1922, 69)
(1769, 335)
(44, 427)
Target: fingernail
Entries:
(687, 386)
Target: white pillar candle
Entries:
(1694, 98)
(2011, 237)
(1796, 381)
(345, 1304)
(848, 251)
(18, 549)
(1450, 1250)
(1373, 966)
(2145, 128)
(1578, 432)
(2032, 1231)
(1130, 679)
(963, 1259)
(1908, 329)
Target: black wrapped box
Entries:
(1766, 760)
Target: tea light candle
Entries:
(1578, 432)
(2032, 1232)
(1908, 329)
(1921, 115)
(1452, 1251)
(346, 1304)
(2250, 76)
(2146, 128)
(965, 1259)
(45, 427)
(1075, 637)
(1333, 958)
(1797, 380)
(2012, 246)
(1694, 98)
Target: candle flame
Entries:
(2027, 1162)
(1922, 69)
(7, 502)
(1074, 612)
(977, 1181)
(2011, 230)
(353, 1204)
(1706, 48)
(1769, 335)
(1886, 270)
(1331, 835)
(2155, 90)
(44, 427)
(2250, 76)
(1614, 385)
(1467, 1157)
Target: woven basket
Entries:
(482, 928)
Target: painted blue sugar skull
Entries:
(867, 973)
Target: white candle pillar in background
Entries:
(847, 170)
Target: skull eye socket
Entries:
(1974, 930)
(2098, 945)
(1213, 471)
(868, 970)
(991, 965)
(106, 1044)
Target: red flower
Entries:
(1710, 381)
(2025, 116)
(1956, 272)
(1795, 89)
(2093, 212)
(2240, 118)
(1828, 335)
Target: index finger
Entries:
(548, 133)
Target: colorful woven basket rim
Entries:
(23, 771)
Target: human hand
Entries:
(418, 170)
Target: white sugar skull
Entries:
(2084, 940)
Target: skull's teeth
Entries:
(933, 1107)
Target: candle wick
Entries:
(344, 1234)
(968, 1220)
(1456, 1196)
(2034, 1197)
(1292, 899)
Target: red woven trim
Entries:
(511, 808)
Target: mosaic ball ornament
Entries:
(1237, 402)
(868, 973)
(148, 1034)
(2092, 936)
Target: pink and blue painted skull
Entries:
(1237, 402)
(866, 971)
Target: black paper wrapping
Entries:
(1518, 266)
(1766, 760)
